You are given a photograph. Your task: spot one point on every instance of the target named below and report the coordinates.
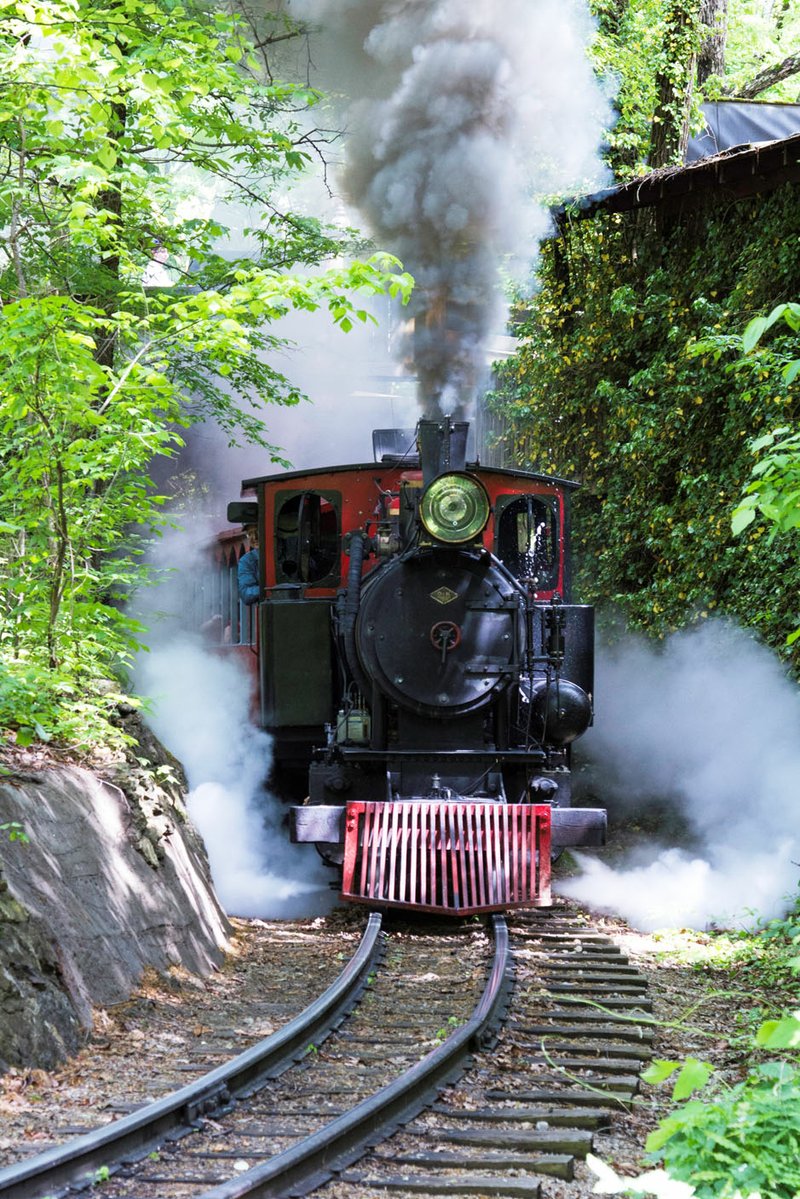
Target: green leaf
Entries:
(671, 1126)
(693, 1077)
(780, 1034)
(106, 155)
(761, 443)
(742, 517)
(753, 332)
(658, 1071)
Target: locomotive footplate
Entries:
(534, 757)
(569, 827)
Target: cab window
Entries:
(307, 540)
(527, 539)
(217, 611)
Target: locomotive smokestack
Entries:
(442, 447)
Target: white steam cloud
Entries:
(202, 713)
(711, 722)
(463, 117)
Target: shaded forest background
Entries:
(631, 375)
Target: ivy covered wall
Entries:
(630, 379)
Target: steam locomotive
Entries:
(422, 672)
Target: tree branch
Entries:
(766, 78)
(13, 235)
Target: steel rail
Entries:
(313, 1161)
(144, 1130)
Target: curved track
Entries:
(142, 1131)
(377, 1108)
(568, 1057)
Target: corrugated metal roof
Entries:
(733, 174)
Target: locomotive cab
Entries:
(423, 673)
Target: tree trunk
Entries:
(106, 338)
(711, 55)
(111, 200)
(674, 85)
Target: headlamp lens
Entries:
(455, 508)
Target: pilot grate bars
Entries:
(447, 855)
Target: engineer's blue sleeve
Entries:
(247, 575)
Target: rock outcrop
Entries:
(112, 879)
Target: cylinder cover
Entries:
(562, 711)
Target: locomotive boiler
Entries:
(422, 670)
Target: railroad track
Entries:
(378, 1107)
(568, 1057)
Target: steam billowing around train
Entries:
(421, 669)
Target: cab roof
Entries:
(410, 463)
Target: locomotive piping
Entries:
(352, 603)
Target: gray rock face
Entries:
(110, 882)
(38, 1023)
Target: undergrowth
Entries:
(740, 1139)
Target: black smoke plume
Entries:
(461, 118)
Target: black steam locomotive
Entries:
(422, 671)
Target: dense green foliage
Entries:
(743, 1140)
(774, 487)
(127, 312)
(631, 379)
(736, 1140)
(738, 1132)
(659, 366)
(648, 46)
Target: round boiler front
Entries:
(438, 632)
